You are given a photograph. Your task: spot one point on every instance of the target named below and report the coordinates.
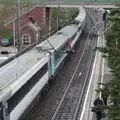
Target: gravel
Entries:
(47, 106)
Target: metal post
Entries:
(105, 18)
(58, 17)
(18, 24)
(37, 37)
(50, 22)
(66, 15)
(14, 35)
(116, 44)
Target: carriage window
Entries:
(73, 37)
(80, 28)
(58, 54)
(20, 94)
(1, 111)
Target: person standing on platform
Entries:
(98, 103)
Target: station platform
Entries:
(100, 74)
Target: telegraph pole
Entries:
(18, 25)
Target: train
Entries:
(26, 78)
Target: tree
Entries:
(71, 12)
(112, 54)
(6, 11)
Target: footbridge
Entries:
(67, 3)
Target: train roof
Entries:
(59, 39)
(11, 73)
(81, 16)
(14, 70)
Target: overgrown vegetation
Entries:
(112, 54)
(6, 11)
(64, 15)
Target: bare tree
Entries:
(6, 12)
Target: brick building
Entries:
(29, 33)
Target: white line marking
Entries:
(82, 114)
(80, 74)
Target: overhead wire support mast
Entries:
(58, 17)
(31, 19)
(18, 25)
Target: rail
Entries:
(63, 110)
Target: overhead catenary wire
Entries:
(107, 28)
(31, 19)
(33, 44)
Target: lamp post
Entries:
(18, 24)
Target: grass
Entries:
(5, 34)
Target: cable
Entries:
(31, 19)
(107, 28)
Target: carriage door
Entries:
(1, 111)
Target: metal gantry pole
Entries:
(14, 35)
(50, 22)
(116, 43)
(66, 14)
(105, 18)
(58, 17)
(18, 25)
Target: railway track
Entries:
(70, 102)
(68, 106)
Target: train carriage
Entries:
(26, 77)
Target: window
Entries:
(1, 112)
(59, 54)
(80, 27)
(26, 40)
(20, 94)
(73, 37)
(75, 22)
